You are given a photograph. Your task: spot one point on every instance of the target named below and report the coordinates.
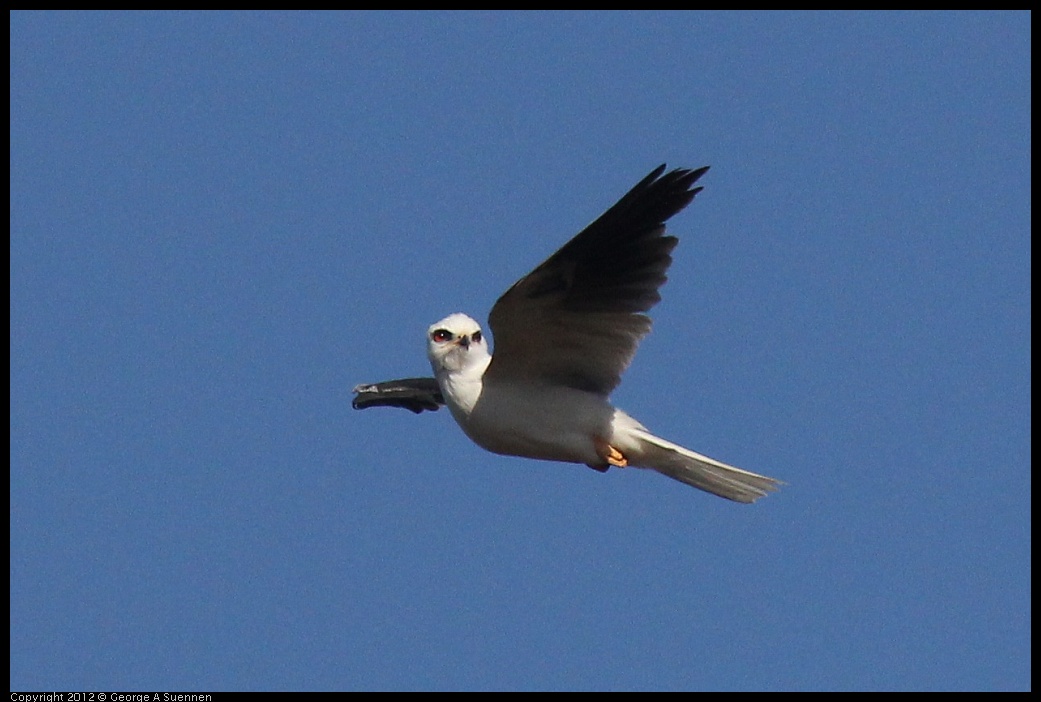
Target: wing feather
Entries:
(576, 319)
(413, 394)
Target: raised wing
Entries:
(576, 320)
(415, 394)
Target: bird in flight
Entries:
(564, 334)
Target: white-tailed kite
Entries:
(564, 334)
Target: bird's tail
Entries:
(700, 471)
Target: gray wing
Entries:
(415, 394)
(576, 320)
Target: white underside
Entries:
(556, 423)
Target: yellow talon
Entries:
(615, 457)
(610, 454)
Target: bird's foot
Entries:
(610, 454)
(615, 458)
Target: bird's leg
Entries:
(609, 453)
(615, 457)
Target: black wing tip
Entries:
(678, 179)
(657, 198)
(675, 174)
(678, 172)
(674, 181)
(415, 406)
(413, 394)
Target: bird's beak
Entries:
(464, 341)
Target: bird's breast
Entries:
(537, 421)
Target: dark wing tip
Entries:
(618, 262)
(663, 196)
(650, 203)
(413, 394)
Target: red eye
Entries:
(477, 337)
(441, 335)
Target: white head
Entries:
(456, 344)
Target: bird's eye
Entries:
(476, 337)
(441, 335)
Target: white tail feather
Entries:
(700, 471)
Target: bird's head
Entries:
(456, 344)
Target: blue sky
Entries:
(220, 223)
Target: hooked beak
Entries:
(464, 341)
